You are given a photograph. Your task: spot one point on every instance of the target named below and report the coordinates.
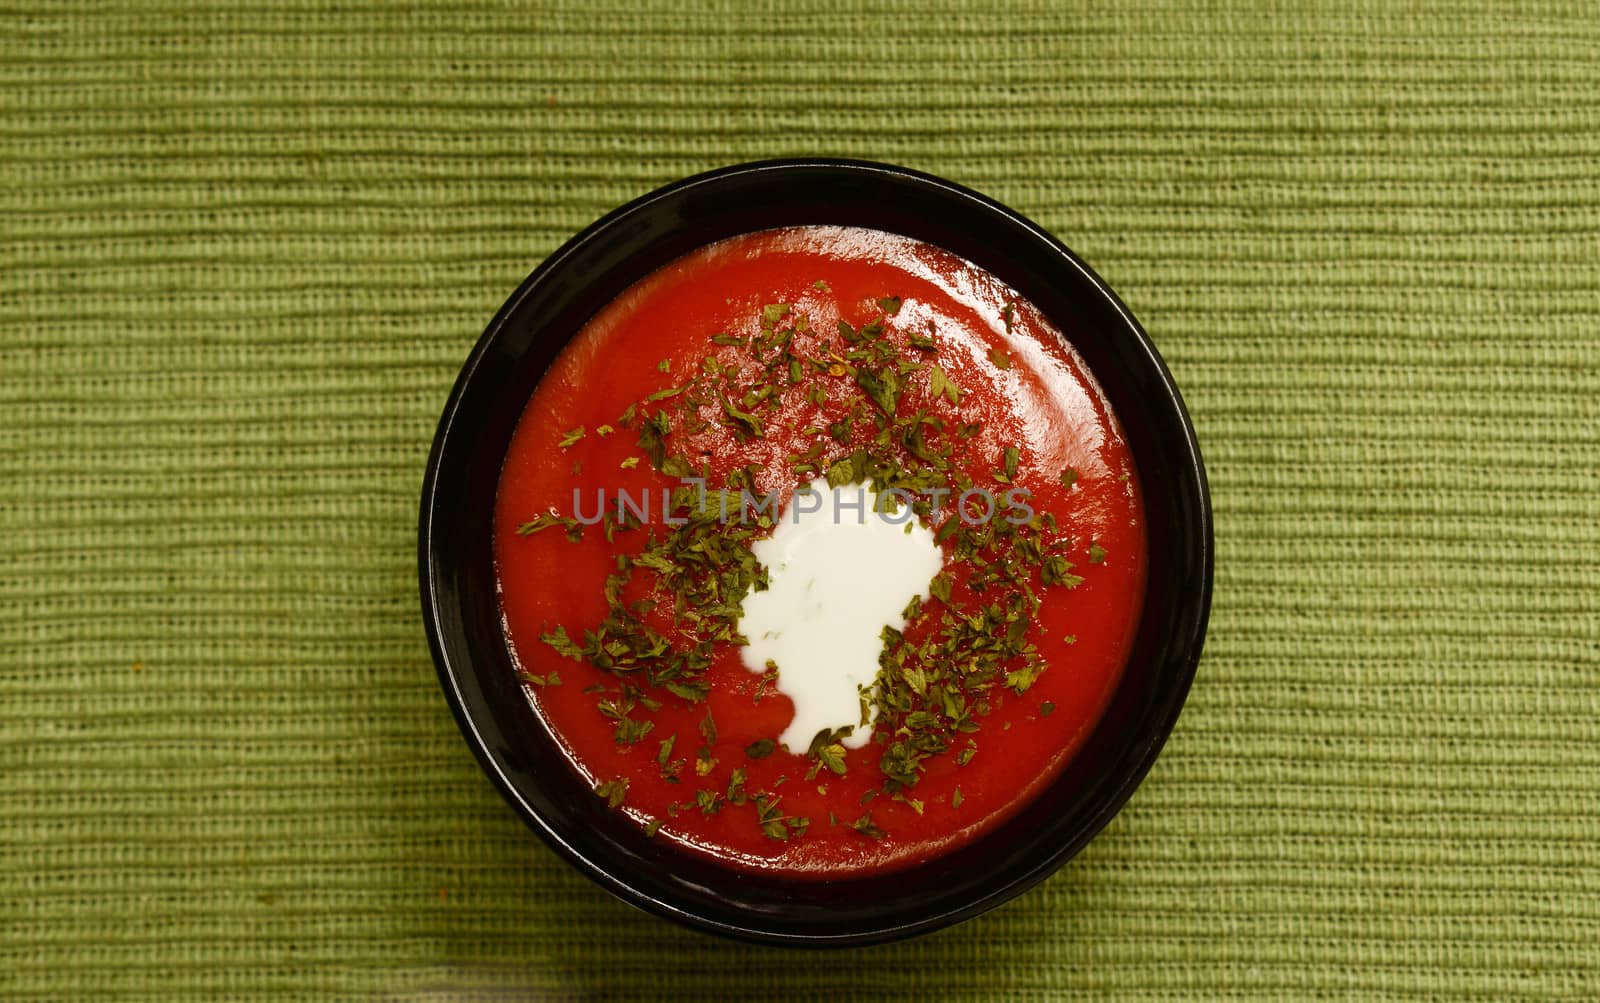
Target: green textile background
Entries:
(247, 246)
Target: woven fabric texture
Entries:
(244, 249)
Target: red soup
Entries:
(770, 678)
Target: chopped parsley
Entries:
(892, 422)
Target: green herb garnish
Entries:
(832, 756)
(937, 677)
(613, 791)
(940, 385)
(865, 826)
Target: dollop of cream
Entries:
(838, 572)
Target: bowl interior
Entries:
(461, 606)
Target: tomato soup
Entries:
(820, 552)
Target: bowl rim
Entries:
(1191, 464)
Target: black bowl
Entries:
(460, 606)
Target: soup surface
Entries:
(820, 551)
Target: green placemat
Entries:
(246, 247)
